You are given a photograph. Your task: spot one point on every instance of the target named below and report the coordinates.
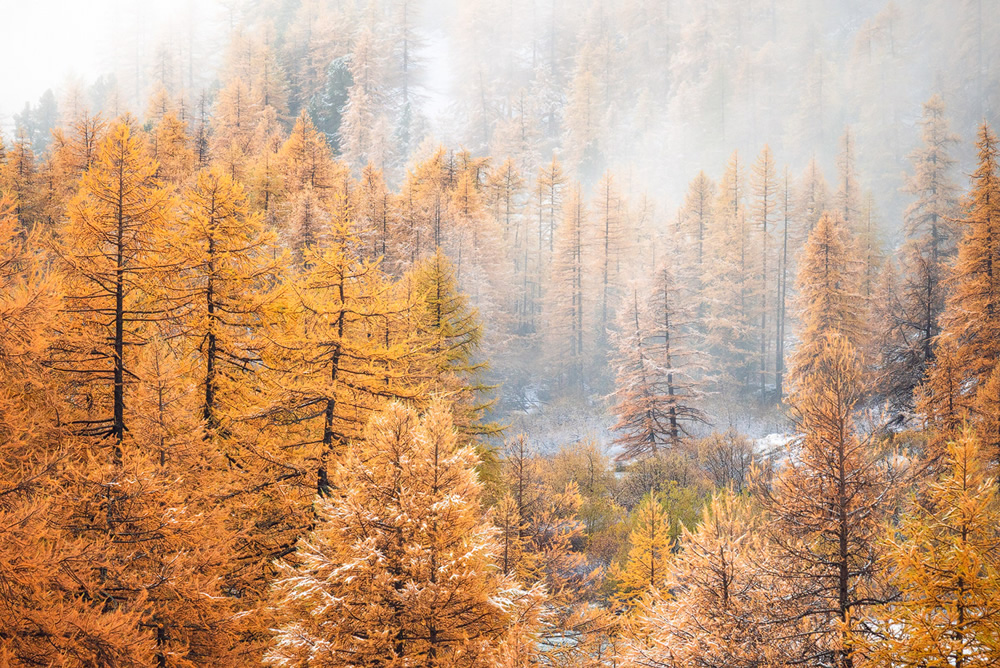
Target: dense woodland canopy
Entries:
(287, 378)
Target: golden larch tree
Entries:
(647, 564)
(944, 557)
(720, 597)
(401, 570)
(225, 261)
(969, 343)
(336, 360)
(144, 511)
(46, 618)
(828, 286)
(827, 505)
(112, 267)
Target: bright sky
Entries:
(47, 41)
(44, 41)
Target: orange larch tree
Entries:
(828, 286)
(827, 506)
(401, 570)
(969, 343)
(109, 253)
(225, 264)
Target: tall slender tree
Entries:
(225, 260)
(656, 395)
(971, 319)
(847, 199)
(566, 297)
(829, 299)
(827, 506)
(112, 266)
(607, 242)
(764, 185)
(781, 300)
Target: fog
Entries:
(58, 44)
(650, 91)
(677, 85)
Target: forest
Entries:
(447, 334)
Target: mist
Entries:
(677, 85)
(651, 92)
(466, 333)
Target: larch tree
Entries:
(401, 570)
(827, 506)
(696, 217)
(265, 73)
(224, 258)
(729, 323)
(869, 244)
(647, 565)
(504, 185)
(549, 193)
(265, 178)
(171, 147)
(547, 204)
(237, 111)
(364, 130)
(333, 362)
(306, 161)
(930, 223)
(424, 202)
(407, 46)
(944, 558)
(308, 49)
(718, 599)
(308, 226)
(447, 332)
(785, 258)
(46, 618)
(656, 394)
(143, 511)
(471, 231)
(812, 199)
(986, 414)
(969, 340)
(607, 219)
(109, 255)
(943, 402)
(504, 198)
(828, 285)
(909, 328)
(583, 122)
(375, 215)
(19, 179)
(158, 528)
(566, 306)
(897, 373)
(764, 210)
(74, 149)
(847, 199)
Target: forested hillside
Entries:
(654, 333)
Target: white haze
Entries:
(52, 44)
(671, 116)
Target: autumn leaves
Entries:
(178, 390)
